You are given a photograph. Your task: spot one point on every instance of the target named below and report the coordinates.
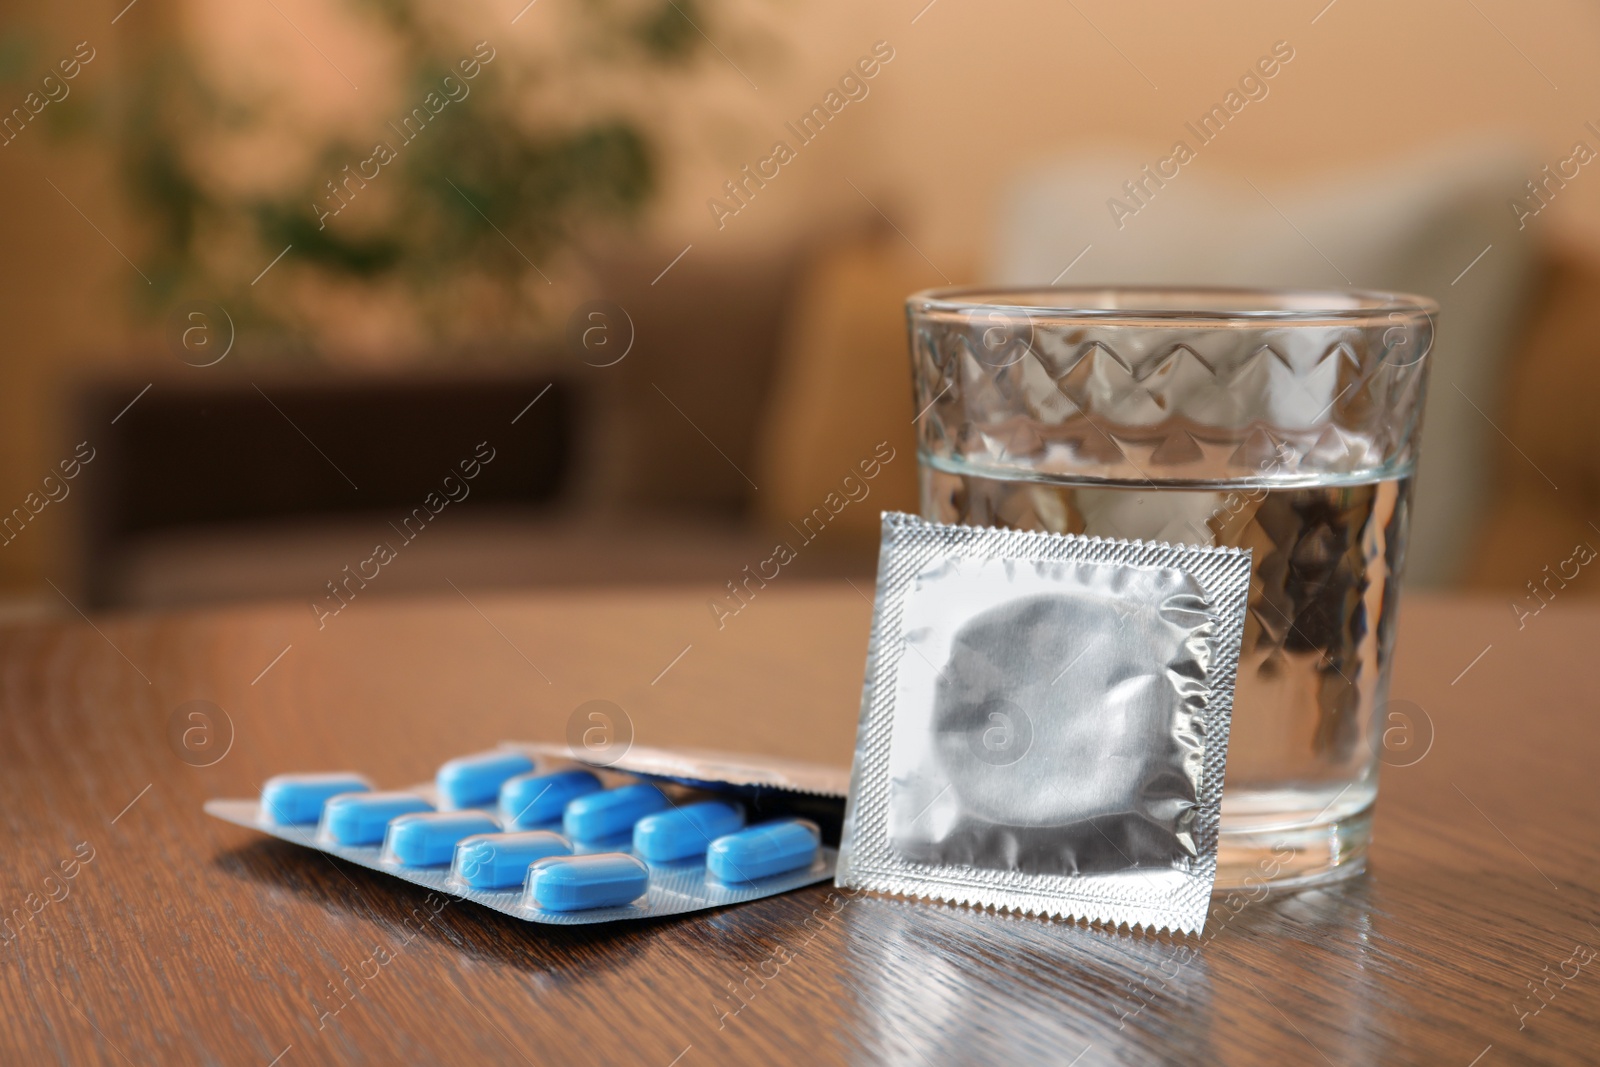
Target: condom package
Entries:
(1044, 723)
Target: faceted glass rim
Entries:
(1162, 305)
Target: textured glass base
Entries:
(1283, 857)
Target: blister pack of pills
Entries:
(541, 836)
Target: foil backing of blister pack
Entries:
(708, 768)
(1044, 723)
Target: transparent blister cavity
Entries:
(1044, 723)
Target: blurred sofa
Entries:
(756, 385)
(243, 487)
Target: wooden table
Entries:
(180, 939)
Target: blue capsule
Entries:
(763, 851)
(496, 861)
(467, 781)
(602, 815)
(292, 799)
(686, 831)
(536, 799)
(578, 883)
(428, 838)
(362, 818)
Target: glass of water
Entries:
(1285, 422)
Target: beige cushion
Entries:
(1411, 225)
(1547, 484)
(843, 388)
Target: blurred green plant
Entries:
(491, 187)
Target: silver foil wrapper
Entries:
(1044, 723)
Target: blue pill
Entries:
(601, 815)
(291, 799)
(428, 838)
(763, 851)
(577, 883)
(536, 799)
(362, 818)
(496, 861)
(467, 781)
(686, 831)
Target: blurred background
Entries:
(600, 291)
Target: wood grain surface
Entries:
(179, 939)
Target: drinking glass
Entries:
(1285, 422)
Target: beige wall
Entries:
(62, 288)
(977, 89)
(974, 91)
